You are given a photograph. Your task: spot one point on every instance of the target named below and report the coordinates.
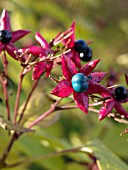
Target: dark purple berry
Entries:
(5, 36)
(86, 56)
(90, 77)
(80, 46)
(120, 93)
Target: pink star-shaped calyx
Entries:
(8, 37)
(76, 50)
(67, 38)
(116, 96)
(69, 85)
(43, 52)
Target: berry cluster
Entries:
(81, 81)
(84, 51)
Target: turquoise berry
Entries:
(80, 82)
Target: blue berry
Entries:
(5, 36)
(80, 82)
(120, 93)
(80, 46)
(86, 56)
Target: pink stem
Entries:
(18, 97)
(4, 82)
(26, 103)
(6, 97)
(44, 115)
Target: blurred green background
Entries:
(106, 23)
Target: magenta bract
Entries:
(16, 35)
(40, 52)
(113, 103)
(64, 87)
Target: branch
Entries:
(18, 96)
(6, 96)
(55, 154)
(44, 115)
(4, 82)
(7, 150)
(29, 96)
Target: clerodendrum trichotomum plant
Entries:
(78, 82)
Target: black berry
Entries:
(120, 93)
(5, 36)
(86, 56)
(80, 46)
(89, 77)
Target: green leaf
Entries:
(60, 144)
(8, 125)
(33, 148)
(74, 165)
(106, 160)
